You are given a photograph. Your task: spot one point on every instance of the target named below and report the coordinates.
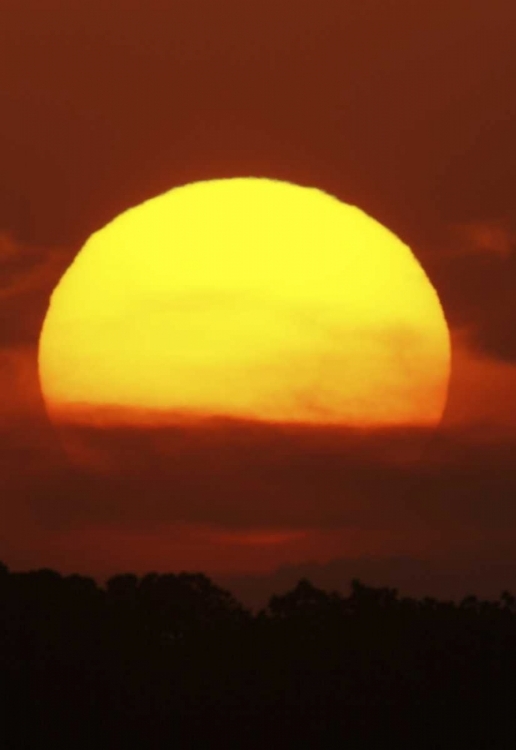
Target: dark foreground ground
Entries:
(173, 661)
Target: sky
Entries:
(404, 109)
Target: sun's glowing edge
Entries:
(70, 409)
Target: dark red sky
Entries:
(407, 109)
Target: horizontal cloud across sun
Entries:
(244, 475)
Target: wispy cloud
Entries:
(27, 277)
(492, 237)
(25, 268)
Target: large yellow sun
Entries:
(247, 298)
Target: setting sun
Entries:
(248, 298)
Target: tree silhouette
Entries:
(173, 659)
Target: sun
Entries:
(247, 298)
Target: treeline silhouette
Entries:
(174, 661)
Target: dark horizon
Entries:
(414, 578)
(176, 658)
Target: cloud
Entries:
(27, 269)
(8, 248)
(28, 276)
(473, 267)
(482, 390)
(491, 237)
(255, 479)
(247, 496)
(20, 396)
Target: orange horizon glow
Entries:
(251, 299)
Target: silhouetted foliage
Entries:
(174, 660)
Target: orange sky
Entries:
(405, 109)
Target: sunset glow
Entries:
(248, 298)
